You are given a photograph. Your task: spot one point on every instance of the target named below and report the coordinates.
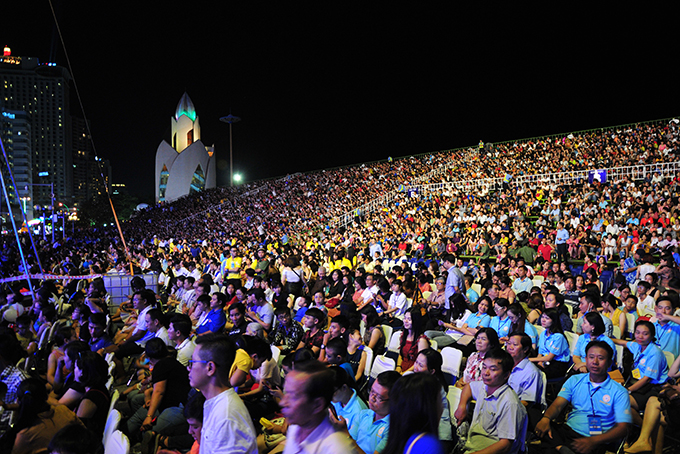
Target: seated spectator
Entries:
(374, 337)
(430, 361)
(591, 302)
(288, 333)
(593, 423)
(193, 413)
(74, 439)
(650, 367)
(346, 401)
(611, 308)
(227, 427)
(38, 421)
(67, 390)
(667, 327)
(260, 310)
(499, 422)
(356, 354)
(415, 415)
(160, 409)
(486, 340)
(99, 340)
(63, 336)
(92, 372)
(554, 356)
(307, 395)
(593, 329)
(264, 375)
(520, 324)
(179, 333)
(412, 340)
(215, 319)
(239, 323)
(314, 321)
(525, 379)
(370, 428)
(337, 329)
(554, 300)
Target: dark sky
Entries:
(327, 84)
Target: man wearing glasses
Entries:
(369, 428)
(227, 427)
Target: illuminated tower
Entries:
(186, 166)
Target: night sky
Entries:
(336, 83)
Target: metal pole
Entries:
(231, 160)
(52, 221)
(63, 227)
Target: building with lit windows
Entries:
(186, 166)
(42, 91)
(15, 132)
(61, 149)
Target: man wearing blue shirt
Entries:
(369, 428)
(522, 283)
(454, 281)
(561, 237)
(601, 408)
(667, 327)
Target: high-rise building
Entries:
(42, 91)
(186, 166)
(61, 147)
(15, 132)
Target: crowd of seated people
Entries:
(257, 297)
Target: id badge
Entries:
(636, 374)
(595, 425)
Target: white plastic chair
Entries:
(112, 423)
(539, 329)
(387, 332)
(109, 357)
(393, 346)
(544, 392)
(109, 383)
(477, 288)
(369, 361)
(670, 357)
(630, 321)
(451, 361)
(616, 333)
(114, 400)
(572, 338)
(619, 357)
(433, 344)
(276, 353)
(453, 396)
(117, 443)
(382, 364)
(426, 295)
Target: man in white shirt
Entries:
(178, 333)
(227, 427)
(154, 322)
(307, 396)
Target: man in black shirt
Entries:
(161, 408)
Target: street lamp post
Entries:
(231, 120)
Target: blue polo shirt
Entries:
(213, 322)
(370, 436)
(668, 337)
(584, 340)
(478, 321)
(502, 327)
(353, 407)
(530, 330)
(609, 401)
(556, 344)
(649, 363)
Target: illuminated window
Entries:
(197, 181)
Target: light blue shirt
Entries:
(668, 337)
(478, 321)
(609, 401)
(502, 327)
(556, 344)
(353, 407)
(584, 340)
(530, 330)
(527, 381)
(522, 286)
(651, 362)
(370, 435)
(562, 236)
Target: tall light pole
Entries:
(231, 120)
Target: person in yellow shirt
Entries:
(232, 268)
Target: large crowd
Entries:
(444, 321)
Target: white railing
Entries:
(615, 174)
